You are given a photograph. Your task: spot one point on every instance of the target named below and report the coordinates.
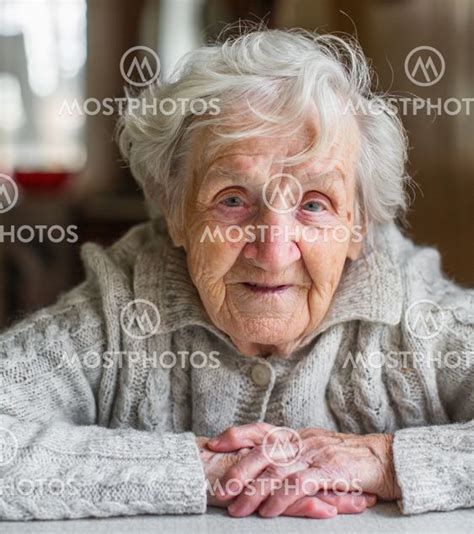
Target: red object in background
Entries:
(41, 180)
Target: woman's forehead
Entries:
(244, 154)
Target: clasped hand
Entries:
(311, 472)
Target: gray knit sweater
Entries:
(90, 425)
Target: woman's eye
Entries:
(314, 205)
(232, 202)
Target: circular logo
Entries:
(282, 446)
(8, 446)
(140, 66)
(140, 319)
(424, 319)
(425, 66)
(282, 193)
(8, 193)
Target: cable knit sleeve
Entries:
(435, 464)
(55, 460)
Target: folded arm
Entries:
(56, 461)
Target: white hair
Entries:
(284, 71)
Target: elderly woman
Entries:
(270, 341)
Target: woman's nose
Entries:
(275, 247)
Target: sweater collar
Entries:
(370, 288)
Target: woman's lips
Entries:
(260, 288)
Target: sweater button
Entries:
(261, 374)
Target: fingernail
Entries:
(332, 511)
(263, 510)
(234, 510)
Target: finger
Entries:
(260, 488)
(239, 475)
(310, 507)
(348, 503)
(352, 498)
(255, 462)
(237, 437)
(371, 499)
(296, 486)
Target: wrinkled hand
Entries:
(319, 506)
(308, 464)
(216, 464)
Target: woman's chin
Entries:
(268, 331)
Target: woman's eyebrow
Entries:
(332, 175)
(230, 174)
(332, 179)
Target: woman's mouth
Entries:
(261, 288)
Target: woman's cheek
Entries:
(215, 259)
(323, 259)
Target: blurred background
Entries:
(57, 55)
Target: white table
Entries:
(383, 518)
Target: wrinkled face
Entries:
(266, 241)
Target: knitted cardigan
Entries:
(90, 425)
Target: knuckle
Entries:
(232, 432)
(235, 472)
(260, 453)
(241, 454)
(273, 472)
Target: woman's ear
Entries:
(354, 250)
(176, 235)
(356, 242)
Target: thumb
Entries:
(239, 437)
